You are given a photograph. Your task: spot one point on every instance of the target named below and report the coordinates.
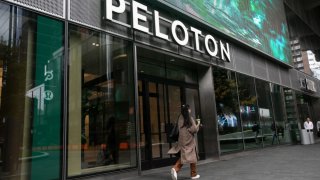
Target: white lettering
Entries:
(110, 8)
(225, 51)
(157, 26)
(196, 37)
(174, 25)
(136, 16)
(206, 41)
(139, 15)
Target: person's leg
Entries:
(273, 136)
(177, 167)
(193, 171)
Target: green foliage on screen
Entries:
(259, 23)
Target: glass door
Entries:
(160, 104)
(153, 117)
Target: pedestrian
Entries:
(256, 129)
(274, 129)
(308, 125)
(186, 145)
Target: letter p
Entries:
(110, 8)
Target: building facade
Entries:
(91, 87)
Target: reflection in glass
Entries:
(249, 111)
(167, 70)
(101, 106)
(229, 123)
(31, 58)
(163, 114)
(281, 127)
(174, 94)
(303, 105)
(292, 117)
(266, 112)
(154, 123)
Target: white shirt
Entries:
(308, 125)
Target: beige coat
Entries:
(186, 142)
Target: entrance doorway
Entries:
(160, 100)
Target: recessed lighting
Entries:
(93, 44)
(97, 45)
(172, 60)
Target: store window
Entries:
(228, 115)
(101, 132)
(249, 111)
(31, 59)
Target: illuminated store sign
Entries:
(213, 47)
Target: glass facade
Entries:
(280, 128)
(249, 111)
(228, 112)
(252, 113)
(292, 116)
(31, 59)
(101, 131)
(265, 111)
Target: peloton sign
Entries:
(214, 48)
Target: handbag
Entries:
(173, 131)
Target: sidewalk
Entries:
(297, 162)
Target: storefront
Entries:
(86, 92)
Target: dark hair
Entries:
(186, 116)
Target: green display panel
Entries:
(258, 23)
(46, 141)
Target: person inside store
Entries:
(256, 129)
(186, 145)
(308, 125)
(318, 128)
(275, 131)
(109, 151)
(112, 140)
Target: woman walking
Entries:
(186, 145)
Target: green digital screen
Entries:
(259, 23)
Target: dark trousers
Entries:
(275, 136)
